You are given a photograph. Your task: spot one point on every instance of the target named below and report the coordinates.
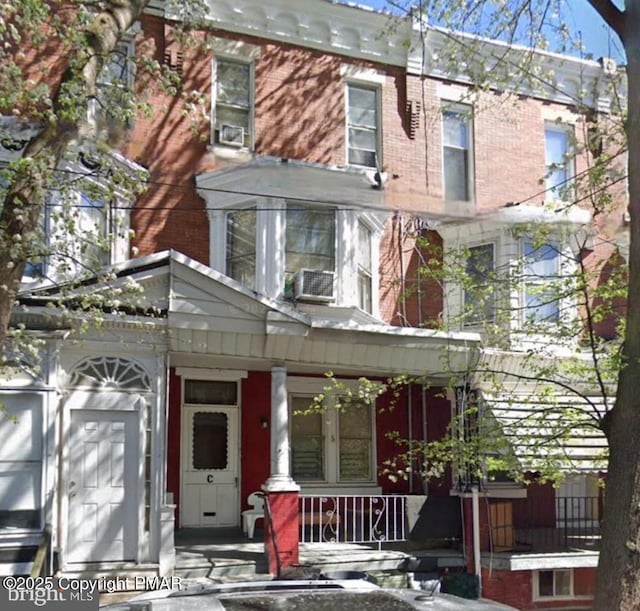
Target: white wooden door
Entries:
(209, 495)
(103, 478)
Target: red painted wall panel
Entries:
(255, 456)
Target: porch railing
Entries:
(353, 518)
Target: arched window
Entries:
(108, 372)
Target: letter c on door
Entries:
(209, 479)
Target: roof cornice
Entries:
(408, 42)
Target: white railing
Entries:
(353, 518)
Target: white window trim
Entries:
(535, 576)
(117, 226)
(363, 84)
(270, 233)
(217, 147)
(302, 386)
(363, 76)
(467, 109)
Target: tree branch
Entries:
(613, 16)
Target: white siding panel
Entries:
(215, 342)
(200, 341)
(229, 343)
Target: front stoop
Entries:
(109, 571)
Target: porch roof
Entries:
(215, 322)
(214, 317)
(551, 430)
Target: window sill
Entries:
(231, 153)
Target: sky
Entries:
(581, 19)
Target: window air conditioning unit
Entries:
(232, 135)
(314, 285)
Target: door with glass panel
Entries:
(209, 492)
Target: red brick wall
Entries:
(515, 588)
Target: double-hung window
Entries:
(456, 153)
(557, 583)
(479, 295)
(541, 275)
(241, 246)
(233, 103)
(558, 161)
(113, 107)
(362, 126)
(364, 258)
(310, 238)
(332, 447)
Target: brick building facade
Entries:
(290, 186)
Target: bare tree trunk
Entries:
(618, 584)
(26, 194)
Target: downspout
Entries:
(424, 429)
(410, 425)
(475, 510)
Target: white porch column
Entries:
(280, 478)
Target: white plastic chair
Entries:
(249, 516)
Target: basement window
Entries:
(556, 583)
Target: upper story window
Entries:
(233, 103)
(362, 126)
(456, 153)
(81, 234)
(541, 274)
(241, 246)
(479, 292)
(334, 447)
(364, 262)
(293, 248)
(112, 108)
(558, 161)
